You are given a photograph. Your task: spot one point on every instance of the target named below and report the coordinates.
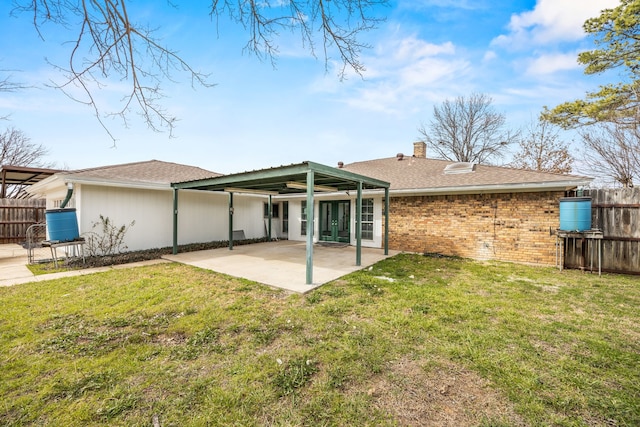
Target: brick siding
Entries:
(507, 227)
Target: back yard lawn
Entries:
(414, 340)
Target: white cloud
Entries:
(550, 63)
(551, 21)
(404, 70)
(489, 55)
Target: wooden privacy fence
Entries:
(617, 213)
(16, 215)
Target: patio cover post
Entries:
(269, 215)
(310, 225)
(230, 221)
(359, 225)
(386, 221)
(175, 221)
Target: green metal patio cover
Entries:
(305, 177)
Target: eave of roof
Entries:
(276, 179)
(152, 174)
(151, 171)
(115, 182)
(426, 176)
(495, 188)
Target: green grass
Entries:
(414, 340)
(49, 267)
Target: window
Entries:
(285, 217)
(303, 218)
(58, 203)
(367, 219)
(275, 210)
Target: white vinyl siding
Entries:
(202, 216)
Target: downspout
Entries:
(68, 196)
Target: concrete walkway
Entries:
(14, 271)
(13, 264)
(282, 264)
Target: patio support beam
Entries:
(359, 225)
(230, 221)
(269, 215)
(310, 225)
(386, 221)
(175, 221)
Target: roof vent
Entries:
(460, 167)
(340, 165)
(399, 156)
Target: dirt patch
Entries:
(446, 395)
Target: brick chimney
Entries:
(420, 149)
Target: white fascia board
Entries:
(58, 180)
(119, 184)
(470, 189)
(527, 187)
(45, 186)
(494, 188)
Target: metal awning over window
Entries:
(305, 177)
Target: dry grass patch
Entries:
(444, 394)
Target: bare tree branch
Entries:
(541, 150)
(16, 149)
(467, 130)
(8, 84)
(339, 22)
(109, 45)
(613, 149)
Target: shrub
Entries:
(108, 239)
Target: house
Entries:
(142, 192)
(469, 210)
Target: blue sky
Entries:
(522, 53)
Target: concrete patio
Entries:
(282, 264)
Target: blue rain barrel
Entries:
(62, 224)
(575, 213)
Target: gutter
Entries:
(471, 189)
(494, 188)
(53, 182)
(119, 184)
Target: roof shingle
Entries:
(151, 171)
(423, 173)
